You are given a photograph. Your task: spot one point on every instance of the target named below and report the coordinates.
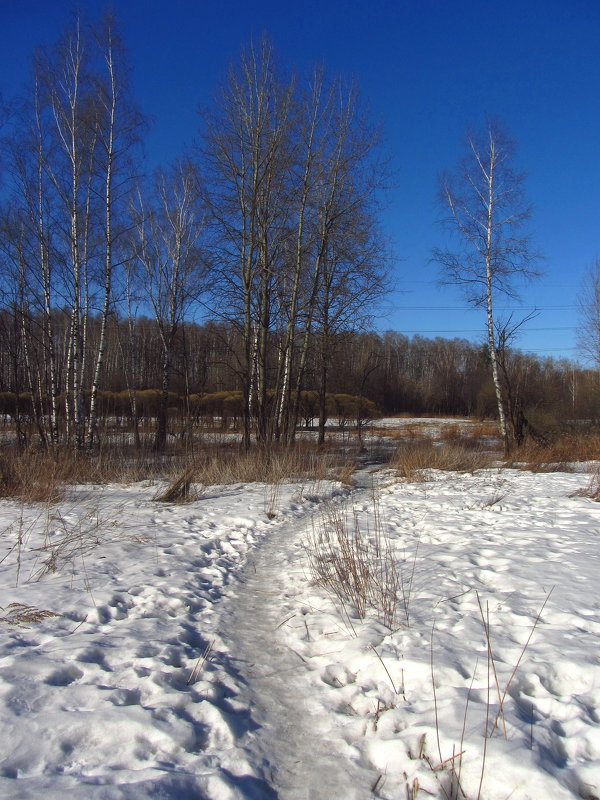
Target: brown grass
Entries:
(452, 433)
(592, 490)
(32, 477)
(558, 455)
(267, 466)
(355, 563)
(181, 489)
(18, 615)
(40, 476)
(413, 458)
(480, 430)
(462, 430)
(414, 430)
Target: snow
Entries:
(196, 659)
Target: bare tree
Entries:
(118, 125)
(588, 339)
(292, 178)
(30, 262)
(71, 136)
(247, 157)
(484, 205)
(168, 248)
(513, 370)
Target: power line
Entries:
(468, 308)
(479, 330)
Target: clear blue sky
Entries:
(426, 68)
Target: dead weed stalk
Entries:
(356, 562)
(495, 720)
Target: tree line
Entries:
(386, 373)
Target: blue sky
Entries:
(426, 69)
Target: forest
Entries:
(239, 286)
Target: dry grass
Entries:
(592, 490)
(45, 540)
(32, 477)
(40, 476)
(461, 430)
(558, 455)
(36, 476)
(353, 567)
(181, 489)
(449, 765)
(69, 537)
(223, 467)
(18, 615)
(414, 430)
(452, 433)
(483, 430)
(357, 564)
(412, 459)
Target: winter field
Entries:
(193, 651)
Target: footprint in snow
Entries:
(126, 697)
(64, 676)
(147, 650)
(93, 655)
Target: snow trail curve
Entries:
(300, 760)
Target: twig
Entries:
(200, 663)
(386, 669)
(525, 646)
(443, 763)
(435, 705)
(281, 624)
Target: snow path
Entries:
(292, 735)
(98, 703)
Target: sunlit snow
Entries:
(196, 658)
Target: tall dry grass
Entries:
(412, 459)
(32, 476)
(559, 454)
(41, 476)
(355, 561)
(225, 466)
(356, 568)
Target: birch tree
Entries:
(588, 335)
(247, 157)
(169, 251)
(119, 125)
(68, 137)
(293, 178)
(28, 243)
(484, 207)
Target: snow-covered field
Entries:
(195, 659)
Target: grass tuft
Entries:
(41, 477)
(18, 615)
(181, 489)
(357, 564)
